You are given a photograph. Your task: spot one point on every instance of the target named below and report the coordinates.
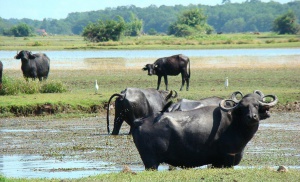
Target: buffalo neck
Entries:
(245, 130)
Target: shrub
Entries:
(9, 86)
(12, 86)
(270, 41)
(53, 87)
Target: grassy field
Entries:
(214, 41)
(206, 80)
(245, 73)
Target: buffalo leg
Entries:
(150, 163)
(166, 81)
(158, 82)
(229, 160)
(183, 81)
(187, 83)
(238, 158)
(117, 126)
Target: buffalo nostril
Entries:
(254, 116)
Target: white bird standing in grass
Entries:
(226, 83)
(96, 87)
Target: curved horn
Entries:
(234, 94)
(175, 94)
(270, 104)
(169, 95)
(16, 54)
(258, 92)
(224, 106)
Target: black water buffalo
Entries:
(186, 104)
(172, 65)
(133, 103)
(214, 135)
(1, 70)
(34, 65)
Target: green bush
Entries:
(52, 87)
(9, 86)
(12, 86)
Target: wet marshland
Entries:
(74, 148)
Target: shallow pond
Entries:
(67, 59)
(34, 148)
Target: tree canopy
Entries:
(190, 22)
(21, 30)
(104, 30)
(249, 16)
(286, 24)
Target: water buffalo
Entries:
(1, 70)
(172, 65)
(186, 104)
(34, 65)
(133, 103)
(214, 135)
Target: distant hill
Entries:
(252, 16)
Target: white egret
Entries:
(96, 87)
(226, 83)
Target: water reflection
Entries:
(34, 166)
(66, 59)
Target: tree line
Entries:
(249, 16)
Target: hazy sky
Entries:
(58, 9)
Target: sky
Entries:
(59, 9)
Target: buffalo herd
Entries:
(188, 133)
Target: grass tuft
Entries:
(15, 86)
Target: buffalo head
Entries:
(24, 55)
(150, 68)
(251, 108)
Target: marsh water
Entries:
(74, 148)
(76, 59)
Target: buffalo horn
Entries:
(175, 94)
(270, 104)
(16, 54)
(234, 94)
(225, 107)
(169, 95)
(258, 92)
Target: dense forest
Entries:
(249, 16)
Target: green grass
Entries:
(264, 175)
(12, 86)
(214, 41)
(80, 95)
(112, 75)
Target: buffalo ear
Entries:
(31, 56)
(145, 68)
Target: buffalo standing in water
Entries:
(134, 103)
(214, 135)
(34, 65)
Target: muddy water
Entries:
(60, 148)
